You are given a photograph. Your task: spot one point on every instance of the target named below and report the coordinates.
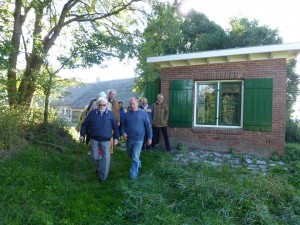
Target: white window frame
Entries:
(218, 103)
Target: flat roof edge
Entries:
(227, 52)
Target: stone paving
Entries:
(237, 161)
(249, 162)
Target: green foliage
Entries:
(292, 160)
(13, 125)
(53, 188)
(292, 87)
(42, 186)
(20, 125)
(181, 147)
(244, 33)
(90, 32)
(292, 131)
(200, 34)
(161, 37)
(198, 194)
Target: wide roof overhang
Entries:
(265, 52)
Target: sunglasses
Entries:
(101, 105)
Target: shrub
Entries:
(292, 131)
(20, 125)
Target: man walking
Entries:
(160, 119)
(135, 125)
(101, 122)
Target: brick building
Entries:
(233, 99)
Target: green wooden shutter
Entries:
(258, 104)
(181, 97)
(152, 89)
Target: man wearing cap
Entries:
(101, 122)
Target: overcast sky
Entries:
(281, 15)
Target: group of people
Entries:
(105, 120)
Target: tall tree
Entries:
(161, 36)
(93, 28)
(200, 34)
(245, 33)
(169, 32)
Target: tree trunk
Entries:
(34, 62)
(47, 95)
(12, 60)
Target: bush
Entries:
(292, 131)
(13, 128)
(20, 125)
(292, 160)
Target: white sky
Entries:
(283, 15)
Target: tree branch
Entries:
(54, 32)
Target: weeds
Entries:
(42, 186)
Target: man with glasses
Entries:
(101, 122)
(135, 124)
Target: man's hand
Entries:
(125, 136)
(81, 138)
(115, 142)
(149, 142)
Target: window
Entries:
(218, 103)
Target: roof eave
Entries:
(287, 51)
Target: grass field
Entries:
(43, 186)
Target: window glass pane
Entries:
(206, 107)
(230, 104)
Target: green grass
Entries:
(42, 186)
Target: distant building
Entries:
(70, 106)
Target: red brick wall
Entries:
(224, 139)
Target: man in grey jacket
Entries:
(135, 124)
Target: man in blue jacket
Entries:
(100, 123)
(136, 123)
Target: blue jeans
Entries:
(102, 163)
(134, 151)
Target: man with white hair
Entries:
(112, 105)
(93, 103)
(101, 122)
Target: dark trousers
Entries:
(145, 146)
(155, 139)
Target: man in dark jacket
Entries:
(101, 123)
(135, 125)
(148, 109)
